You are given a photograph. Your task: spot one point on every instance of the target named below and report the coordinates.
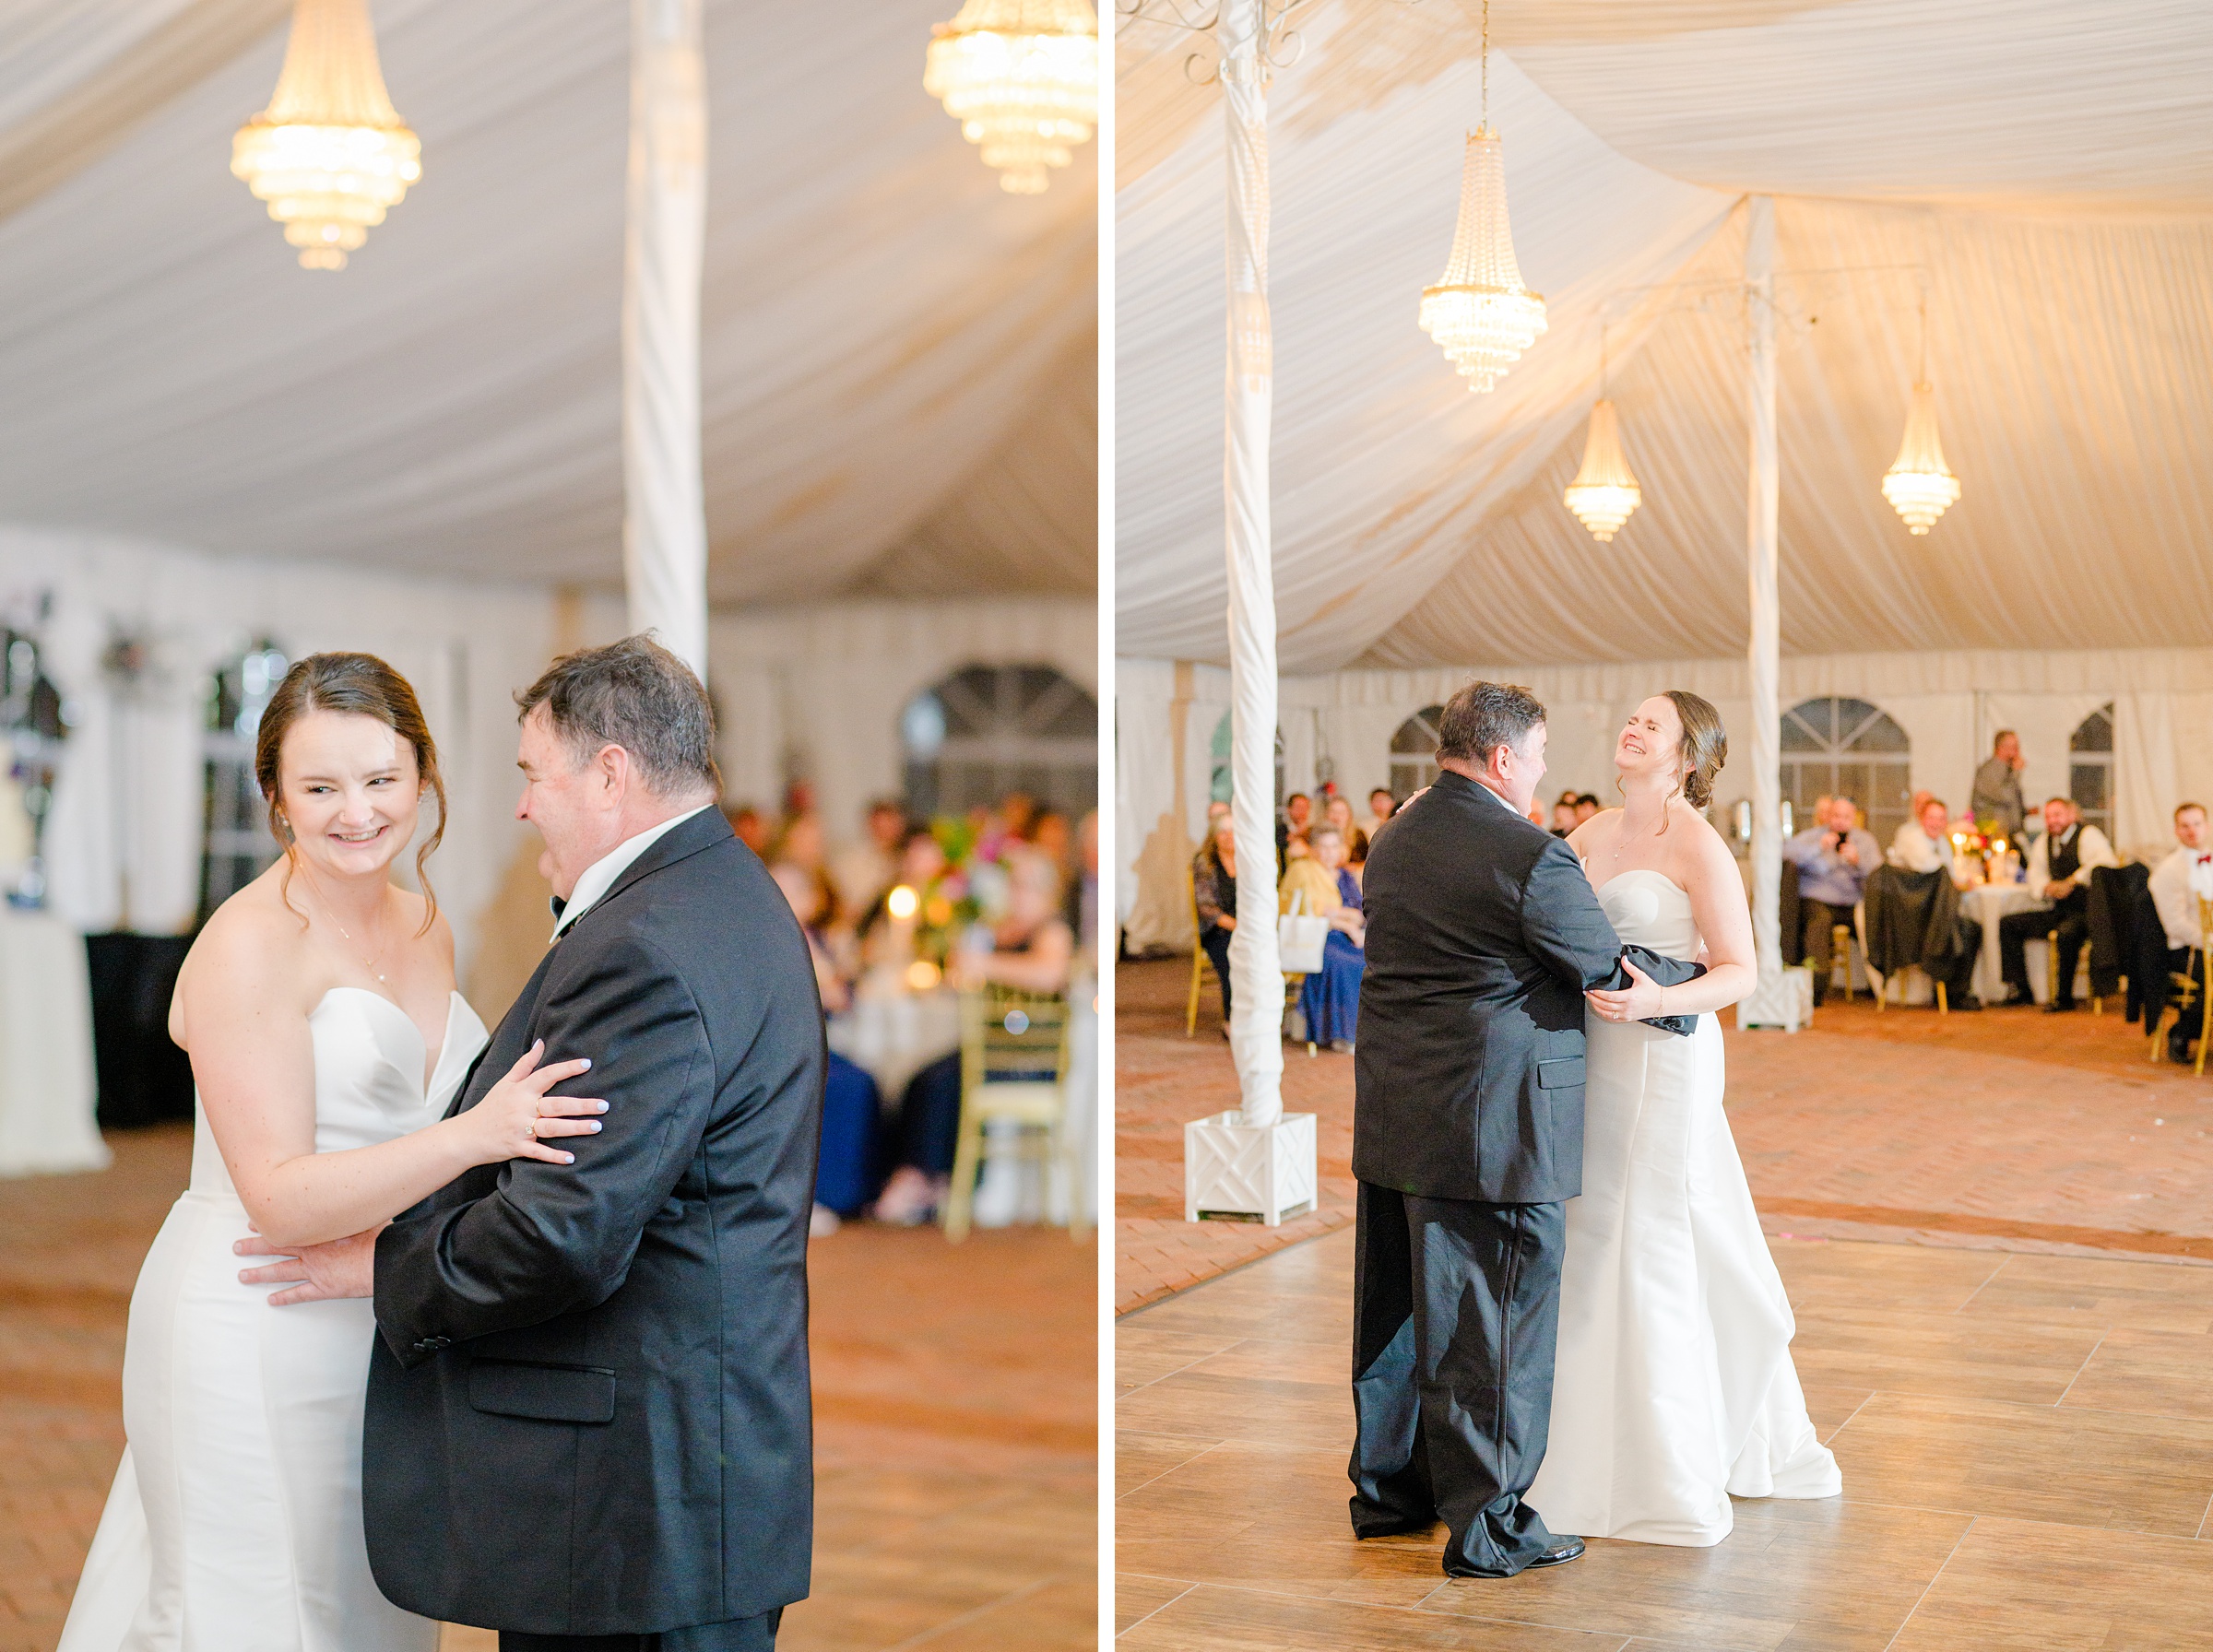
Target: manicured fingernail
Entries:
(603, 1106)
(568, 1158)
(598, 1125)
(588, 1063)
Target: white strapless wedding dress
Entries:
(1674, 1387)
(235, 1520)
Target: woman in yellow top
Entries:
(1331, 998)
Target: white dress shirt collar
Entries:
(599, 877)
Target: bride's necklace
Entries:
(330, 912)
(1627, 837)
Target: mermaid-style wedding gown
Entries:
(235, 1520)
(1674, 1387)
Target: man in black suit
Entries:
(1483, 935)
(588, 1421)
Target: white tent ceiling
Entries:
(891, 344)
(2047, 166)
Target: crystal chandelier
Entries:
(1918, 484)
(1480, 313)
(1022, 76)
(329, 154)
(1604, 490)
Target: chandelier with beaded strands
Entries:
(1604, 492)
(1022, 76)
(329, 154)
(1918, 484)
(1481, 314)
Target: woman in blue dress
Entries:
(1331, 999)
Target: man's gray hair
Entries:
(637, 695)
(1483, 716)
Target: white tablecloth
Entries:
(1986, 903)
(47, 1088)
(894, 1033)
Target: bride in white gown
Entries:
(327, 1039)
(1673, 1388)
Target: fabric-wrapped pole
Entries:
(1768, 1006)
(1256, 976)
(665, 522)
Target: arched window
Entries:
(1413, 752)
(237, 847)
(989, 730)
(2090, 769)
(1218, 784)
(1847, 747)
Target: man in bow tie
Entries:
(2176, 884)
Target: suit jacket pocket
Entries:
(1564, 1073)
(544, 1393)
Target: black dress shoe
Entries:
(1967, 1001)
(1560, 1552)
(2059, 1007)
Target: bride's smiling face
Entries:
(1651, 742)
(349, 788)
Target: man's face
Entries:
(1584, 811)
(2009, 749)
(1379, 803)
(2059, 814)
(886, 826)
(1843, 815)
(1301, 810)
(1520, 772)
(576, 807)
(1934, 822)
(2190, 828)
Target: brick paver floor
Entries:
(2005, 1128)
(955, 1402)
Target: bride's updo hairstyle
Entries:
(1704, 747)
(359, 685)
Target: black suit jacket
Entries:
(589, 1408)
(1483, 935)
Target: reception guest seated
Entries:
(1030, 948)
(2060, 863)
(1925, 843)
(1381, 805)
(1215, 889)
(864, 870)
(1833, 858)
(2177, 882)
(1997, 794)
(1331, 999)
(844, 1175)
(1586, 805)
(1291, 830)
(1339, 813)
(923, 868)
(1563, 813)
(751, 826)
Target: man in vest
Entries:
(2060, 865)
(2180, 879)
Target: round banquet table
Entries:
(1986, 903)
(47, 1088)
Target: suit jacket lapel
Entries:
(517, 1018)
(702, 831)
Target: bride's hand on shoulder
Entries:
(516, 1116)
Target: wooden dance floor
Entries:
(956, 1393)
(2027, 1443)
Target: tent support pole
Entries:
(1770, 1004)
(1258, 1161)
(663, 522)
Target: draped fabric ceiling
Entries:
(898, 373)
(2045, 165)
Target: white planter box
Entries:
(1237, 1170)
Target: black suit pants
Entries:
(1817, 922)
(739, 1635)
(1216, 940)
(2071, 917)
(1455, 1319)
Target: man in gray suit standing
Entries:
(1483, 935)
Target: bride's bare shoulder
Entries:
(1702, 852)
(1599, 832)
(253, 949)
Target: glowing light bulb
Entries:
(922, 975)
(903, 902)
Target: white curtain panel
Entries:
(2028, 157)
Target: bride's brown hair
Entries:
(1704, 745)
(360, 685)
